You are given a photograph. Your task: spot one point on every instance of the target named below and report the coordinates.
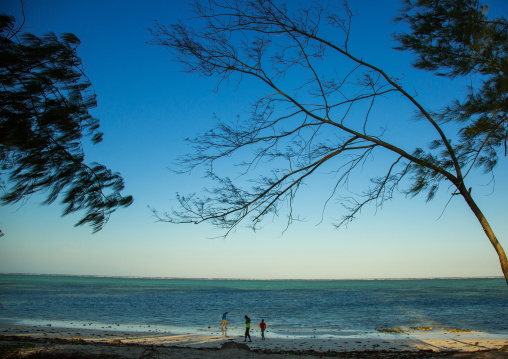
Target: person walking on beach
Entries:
(247, 329)
(224, 322)
(262, 325)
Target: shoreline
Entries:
(414, 341)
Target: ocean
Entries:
(302, 308)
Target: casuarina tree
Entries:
(319, 110)
(45, 100)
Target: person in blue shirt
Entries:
(224, 321)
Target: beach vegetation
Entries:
(77, 340)
(45, 102)
(325, 110)
(454, 330)
(391, 330)
(423, 329)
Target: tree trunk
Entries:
(488, 231)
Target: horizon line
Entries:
(246, 279)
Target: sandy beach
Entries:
(24, 341)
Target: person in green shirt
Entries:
(247, 329)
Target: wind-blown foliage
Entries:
(318, 114)
(45, 100)
(455, 38)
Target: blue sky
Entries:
(147, 107)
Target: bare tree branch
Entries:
(313, 119)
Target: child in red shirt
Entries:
(262, 325)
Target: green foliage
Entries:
(44, 115)
(455, 38)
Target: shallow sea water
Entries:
(289, 307)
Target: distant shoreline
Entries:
(248, 279)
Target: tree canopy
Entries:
(454, 39)
(309, 116)
(45, 100)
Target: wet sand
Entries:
(136, 344)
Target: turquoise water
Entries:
(287, 306)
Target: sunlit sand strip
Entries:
(394, 342)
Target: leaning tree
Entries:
(45, 99)
(308, 118)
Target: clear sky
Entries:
(147, 107)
